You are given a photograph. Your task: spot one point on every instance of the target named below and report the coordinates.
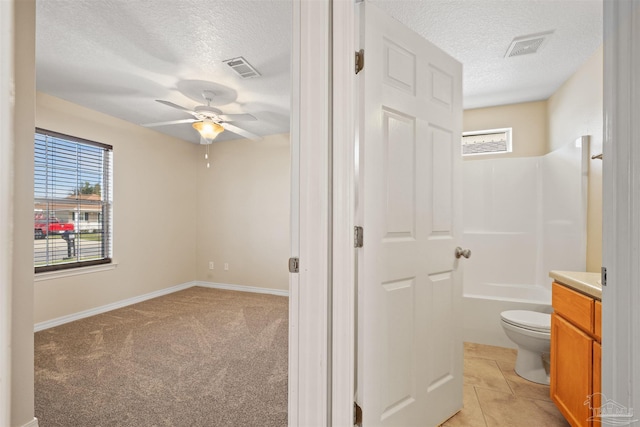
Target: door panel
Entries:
(399, 386)
(400, 65)
(399, 142)
(442, 358)
(409, 281)
(441, 181)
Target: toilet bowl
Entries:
(531, 332)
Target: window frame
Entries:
(106, 203)
(509, 143)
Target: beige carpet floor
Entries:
(198, 357)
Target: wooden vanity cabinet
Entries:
(597, 378)
(575, 354)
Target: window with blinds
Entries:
(494, 141)
(72, 202)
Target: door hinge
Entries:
(603, 276)
(358, 237)
(357, 414)
(359, 60)
(294, 265)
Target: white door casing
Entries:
(409, 281)
(309, 290)
(344, 117)
(621, 202)
(6, 202)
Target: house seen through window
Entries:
(72, 202)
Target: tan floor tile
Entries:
(522, 387)
(489, 352)
(471, 414)
(506, 410)
(484, 373)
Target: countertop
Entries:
(587, 283)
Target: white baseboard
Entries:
(129, 301)
(243, 288)
(32, 423)
(108, 307)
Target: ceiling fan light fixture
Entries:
(208, 130)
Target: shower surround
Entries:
(523, 217)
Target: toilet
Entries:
(531, 332)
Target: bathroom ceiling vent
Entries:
(525, 45)
(242, 67)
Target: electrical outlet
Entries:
(226, 266)
(210, 265)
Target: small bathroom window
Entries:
(492, 141)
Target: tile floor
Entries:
(495, 396)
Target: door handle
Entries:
(462, 252)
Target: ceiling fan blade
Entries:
(171, 122)
(241, 132)
(171, 104)
(237, 117)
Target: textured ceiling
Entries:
(118, 56)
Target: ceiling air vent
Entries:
(525, 45)
(242, 67)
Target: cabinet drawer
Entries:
(573, 306)
(598, 321)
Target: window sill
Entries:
(50, 275)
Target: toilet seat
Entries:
(525, 319)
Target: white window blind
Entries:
(72, 202)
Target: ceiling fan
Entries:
(209, 121)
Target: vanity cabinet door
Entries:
(571, 370)
(597, 379)
(597, 327)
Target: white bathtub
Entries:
(532, 294)
(481, 313)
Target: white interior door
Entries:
(409, 280)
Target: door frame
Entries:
(6, 202)
(310, 289)
(322, 294)
(344, 118)
(621, 199)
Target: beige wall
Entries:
(576, 109)
(172, 215)
(154, 221)
(243, 212)
(22, 406)
(528, 121)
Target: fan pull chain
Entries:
(206, 156)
